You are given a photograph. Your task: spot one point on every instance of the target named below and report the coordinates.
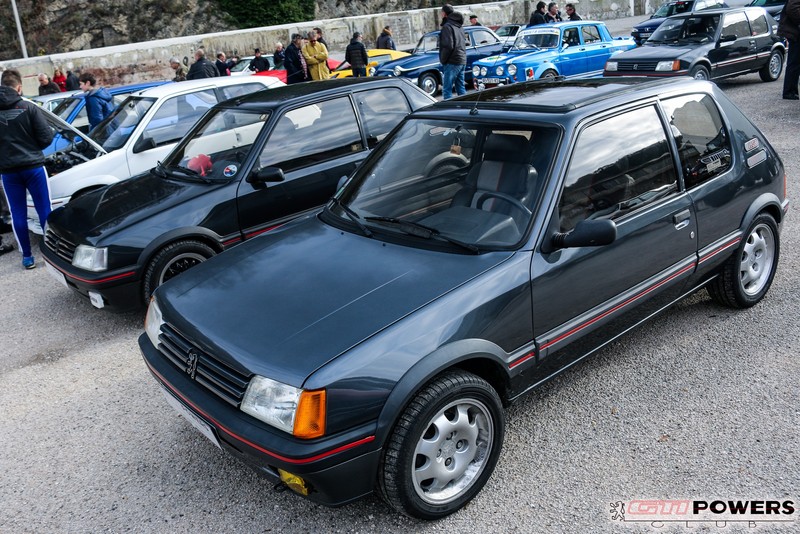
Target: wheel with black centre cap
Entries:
(444, 447)
(173, 260)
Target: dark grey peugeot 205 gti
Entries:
(372, 346)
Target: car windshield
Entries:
(217, 147)
(541, 39)
(115, 129)
(507, 31)
(428, 43)
(467, 186)
(695, 29)
(65, 107)
(673, 8)
(242, 65)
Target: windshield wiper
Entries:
(425, 232)
(353, 216)
(183, 172)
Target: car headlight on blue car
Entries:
(483, 71)
(397, 71)
(512, 70)
(296, 411)
(90, 258)
(476, 70)
(500, 70)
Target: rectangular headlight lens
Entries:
(90, 258)
(153, 321)
(611, 66)
(272, 402)
(668, 65)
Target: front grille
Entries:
(216, 376)
(637, 66)
(64, 248)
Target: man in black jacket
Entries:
(789, 28)
(356, 55)
(294, 61)
(202, 67)
(259, 63)
(537, 17)
(24, 133)
(452, 52)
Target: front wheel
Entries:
(699, 72)
(748, 274)
(171, 261)
(772, 70)
(429, 83)
(549, 74)
(444, 447)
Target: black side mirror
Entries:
(144, 143)
(588, 233)
(266, 174)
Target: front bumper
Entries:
(118, 290)
(338, 469)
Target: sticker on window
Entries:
(230, 171)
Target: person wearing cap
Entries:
(473, 20)
(356, 55)
(385, 40)
(294, 62)
(452, 52)
(259, 63)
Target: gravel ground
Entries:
(701, 403)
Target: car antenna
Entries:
(474, 110)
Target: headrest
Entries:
(505, 147)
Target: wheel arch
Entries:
(203, 235)
(767, 203)
(480, 357)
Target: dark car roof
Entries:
(558, 96)
(277, 96)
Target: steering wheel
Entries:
(503, 196)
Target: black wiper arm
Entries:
(425, 232)
(353, 216)
(186, 173)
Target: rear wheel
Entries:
(699, 72)
(172, 260)
(429, 83)
(747, 275)
(772, 70)
(444, 447)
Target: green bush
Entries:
(253, 13)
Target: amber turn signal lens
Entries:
(309, 421)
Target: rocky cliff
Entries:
(53, 26)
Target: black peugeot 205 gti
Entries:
(250, 164)
(377, 341)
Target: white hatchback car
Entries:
(142, 130)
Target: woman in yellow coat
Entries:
(316, 55)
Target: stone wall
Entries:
(135, 62)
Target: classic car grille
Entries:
(636, 66)
(216, 376)
(64, 248)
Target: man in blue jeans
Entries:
(24, 133)
(452, 52)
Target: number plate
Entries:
(193, 419)
(494, 81)
(55, 273)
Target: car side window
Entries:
(232, 91)
(481, 37)
(381, 110)
(177, 115)
(758, 22)
(571, 37)
(703, 142)
(735, 24)
(610, 176)
(312, 134)
(590, 34)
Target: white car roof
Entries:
(194, 85)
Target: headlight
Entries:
(512, 70)
(611, 66)
(90, 258)
(397, 70)
(153, 321)
(476, 70)
(668, 65)
(500, 71)
(483, 71)
(296, 411)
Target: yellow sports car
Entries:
(376, 57)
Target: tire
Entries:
(747, 275)
(772, 70)
(172, 260)
(699, 72)
(549, 74)
(429, 83)
(456, 405)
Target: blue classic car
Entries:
(546, 51)
(423, 67)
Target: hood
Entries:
(123, 204)
(8, 97)
(654, 52)
(517, 57)
(109, 164)
(649, 24)
(288, 302)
